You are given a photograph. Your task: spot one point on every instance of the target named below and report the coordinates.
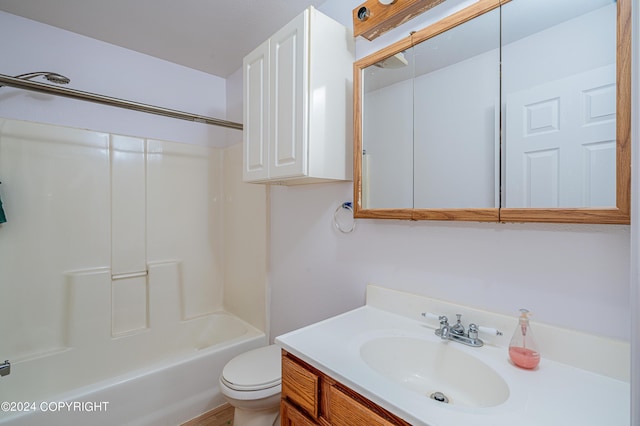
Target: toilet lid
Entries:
(254, 370)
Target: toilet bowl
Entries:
(251, 382)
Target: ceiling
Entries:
(207, 35)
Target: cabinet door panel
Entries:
(344, 410)
(290, 416)
(288, 99)
(300, 386)
(256, 114)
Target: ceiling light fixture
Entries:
(387, 2)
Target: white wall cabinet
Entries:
(298, 114)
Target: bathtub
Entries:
(170, 390)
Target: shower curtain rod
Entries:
(19, 83)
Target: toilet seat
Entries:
(255, 370)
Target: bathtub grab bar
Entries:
(129, 275)
(5, 368)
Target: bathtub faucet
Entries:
(5, 368)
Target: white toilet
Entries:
(251, 382)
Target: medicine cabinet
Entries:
(512, 111)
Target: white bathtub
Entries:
(168, 391)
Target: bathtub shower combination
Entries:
(112, 278)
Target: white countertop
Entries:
(553, 394)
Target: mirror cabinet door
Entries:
(387, 133)
(456, 133)
(559, 103)
(428, 146)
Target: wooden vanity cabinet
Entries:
(309, 397)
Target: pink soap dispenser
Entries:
(523, 350)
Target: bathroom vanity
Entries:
(382, 364)
(310, 397)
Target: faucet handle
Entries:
(490, 330)
(458, 328)
(429, 315)
(473, 331)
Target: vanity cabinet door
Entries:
(290, 416)
(300, 386)
(344, 410)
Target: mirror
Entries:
(439, 135)
(430, 121)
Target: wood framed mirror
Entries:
(448, 121)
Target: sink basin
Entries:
(435, 369)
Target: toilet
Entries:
(251, 382)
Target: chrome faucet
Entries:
(458, 328)
(457, 332)
(444, 329)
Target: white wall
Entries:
(569, 275)
(245, 243)
(102, 68)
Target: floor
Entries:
(221, 416)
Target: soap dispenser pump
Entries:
(523, 350)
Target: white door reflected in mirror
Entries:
(559, 104)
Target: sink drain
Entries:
(440, 397)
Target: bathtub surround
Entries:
(114, 262)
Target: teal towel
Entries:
(3, 218)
